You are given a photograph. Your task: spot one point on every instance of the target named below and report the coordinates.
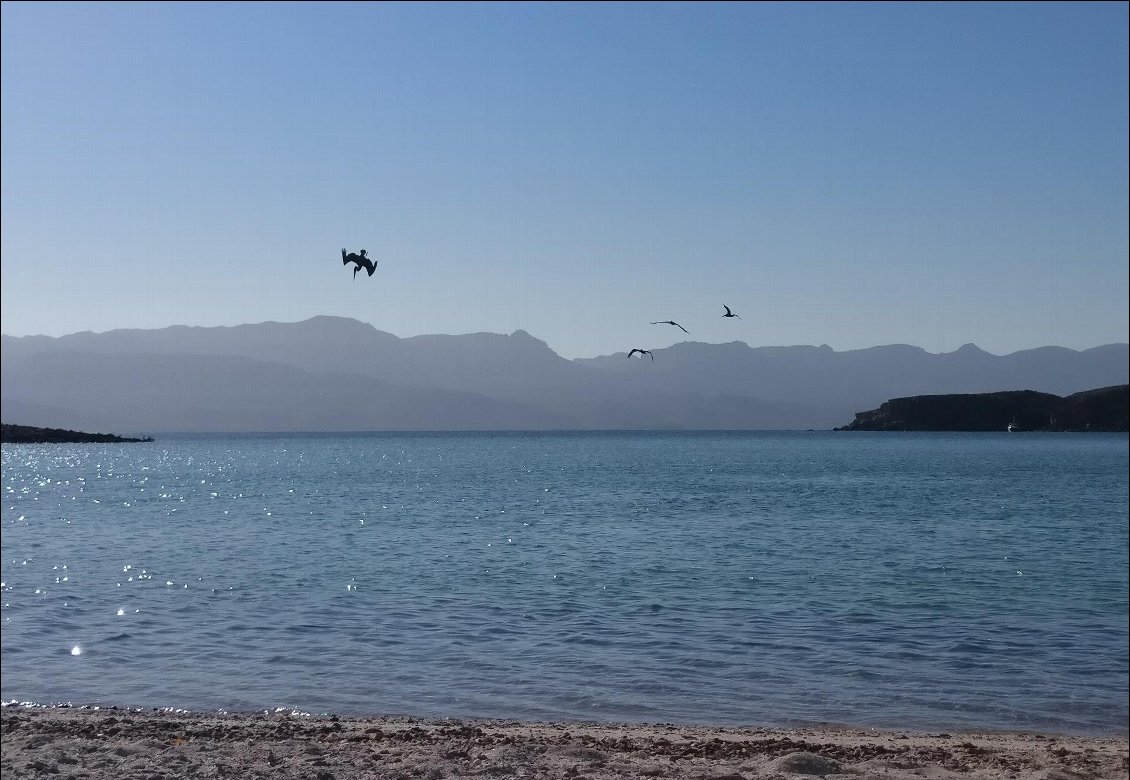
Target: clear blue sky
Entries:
(841, 174)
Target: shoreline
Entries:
(119, 742)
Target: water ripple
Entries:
(936, 581)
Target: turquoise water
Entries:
(905, 580)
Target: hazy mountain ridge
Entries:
(332, 373)
(153, 392)
(805, 374)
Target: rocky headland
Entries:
(1105, 409)
(28, 434)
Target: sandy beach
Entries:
(125, 744)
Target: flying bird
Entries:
(728, 312)
(642, 353)
(671, 322)
(362, 260)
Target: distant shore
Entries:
(105, 743)
(29, 434)
(1102, 410)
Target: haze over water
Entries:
(901, 580)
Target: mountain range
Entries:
(338, 374)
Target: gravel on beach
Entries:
(131, 744)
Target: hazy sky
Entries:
(842, 174)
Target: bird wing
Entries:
(680, 327)
(634, 351)
(344, 259)
(727, 308)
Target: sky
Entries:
(849, 174)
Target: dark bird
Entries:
(362, 260)
(642, 353)
(728, 312)
(671, 322)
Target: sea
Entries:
(926, 581)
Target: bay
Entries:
(894, 580)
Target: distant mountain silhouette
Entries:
(186, 393)
(338, 374)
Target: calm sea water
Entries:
(905, 580)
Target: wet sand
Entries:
(150, 744)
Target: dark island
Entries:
(1106, 409)
(27, 434)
